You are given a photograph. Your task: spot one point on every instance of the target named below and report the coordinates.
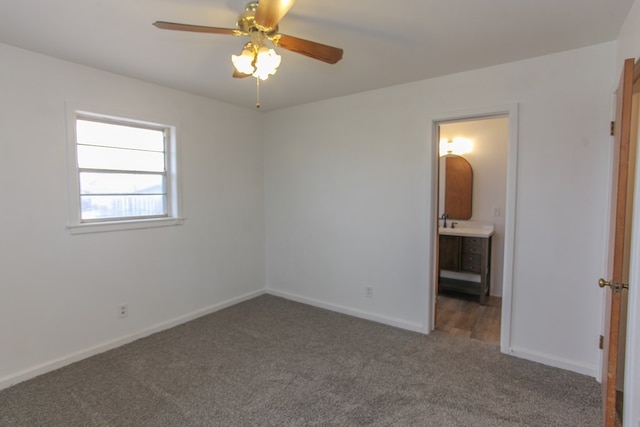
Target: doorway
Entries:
(493, 203)
(482, 143)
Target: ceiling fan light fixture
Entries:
(244, 62)
(257, 60)
(267, 63)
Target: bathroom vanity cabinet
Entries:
(465, 254)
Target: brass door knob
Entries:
(602, 283)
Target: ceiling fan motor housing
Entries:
(246, 20)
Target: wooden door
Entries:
(618, 271)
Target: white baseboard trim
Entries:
(52, 365)
(398, 323)
(545, 359)
(556, 362)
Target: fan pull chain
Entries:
(257, 92)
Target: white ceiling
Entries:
(385, 43)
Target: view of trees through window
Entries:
(122, 170)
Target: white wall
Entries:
(59, 292)
(628, 40)
(629, 47)
(348, 190)
(488, 160)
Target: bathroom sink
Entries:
(469, 231)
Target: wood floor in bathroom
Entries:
(461, 314)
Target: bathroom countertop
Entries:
(483, 231)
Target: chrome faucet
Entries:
(444, 218)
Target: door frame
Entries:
(511, 112)
(632, 352)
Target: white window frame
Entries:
(76, 225)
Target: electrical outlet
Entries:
(497, 211)
(368, 292)
(123, 310)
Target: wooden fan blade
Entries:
(197, 28)
(319, 51)
(270, 12)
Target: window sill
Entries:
(103, 227)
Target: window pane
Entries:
(90, 157)
(120, 136)
(122, 169)
(100, 207)
(120, 183)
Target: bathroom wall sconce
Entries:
(457, 146)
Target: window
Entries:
(124, 173)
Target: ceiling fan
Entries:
(260, 21)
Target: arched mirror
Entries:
(458, 186)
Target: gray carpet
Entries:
(273, 362)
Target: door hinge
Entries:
(612, 128)
(601, 342)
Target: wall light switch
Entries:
(497, 211)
